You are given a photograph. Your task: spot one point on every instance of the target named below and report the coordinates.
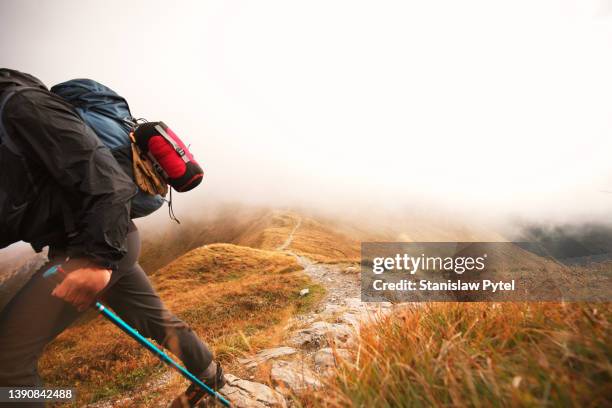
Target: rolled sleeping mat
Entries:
(169, 154)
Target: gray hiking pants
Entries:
(33, 318)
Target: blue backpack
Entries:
(108, 115)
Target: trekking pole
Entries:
(117, 321)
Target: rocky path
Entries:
(315, 342)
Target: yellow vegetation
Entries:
(236, 298)
(479, 354)
(238, 291)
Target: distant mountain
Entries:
(569, 244)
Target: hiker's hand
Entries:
(82, 284)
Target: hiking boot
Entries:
(213, 377)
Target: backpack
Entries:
(109, 116)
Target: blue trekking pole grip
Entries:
(129, 330)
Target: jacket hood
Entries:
(11, 77)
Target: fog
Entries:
(495, 109)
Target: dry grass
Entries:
(324, 243)
(480, 355)
(221, 263)
(163, 245)
(269, 231)
(328, 243)
(236, 298)
(255, 228)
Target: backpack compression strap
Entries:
(176, 147)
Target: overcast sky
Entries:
(498, 107)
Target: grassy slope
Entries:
(480, 354)
(161, 246)
(325, 244)
(322, 241)
(509, 354)
(439, 354)
(236, 298)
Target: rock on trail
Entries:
(293, 377)
(266, 355)
(249, 394)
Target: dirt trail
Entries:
(289, 239)
(338, 283)
(316, 341)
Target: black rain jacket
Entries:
(64, 188)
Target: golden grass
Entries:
(221, 263)
(255, 228)
(479, 355)
(238, 299)
(235, 298)
(269, 231)
(161, 246)
(324, 244)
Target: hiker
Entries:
(61, 187)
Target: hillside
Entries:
(162, 245)
(478, 355)
(236, 277)
(236, 298)
(320, 241)
(261, 228)
(237, 295)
